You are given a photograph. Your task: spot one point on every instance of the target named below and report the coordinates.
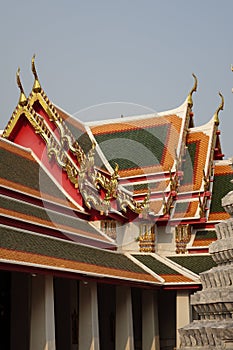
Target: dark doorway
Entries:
(107, 316)
(5, 309)
(167, 319)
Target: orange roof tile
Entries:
(171, 122)
(218, 216)
(176, 278)
(198, 162)
(78, 267)
(223, 169)
(137, 124)
(202, 242)
(156, 206)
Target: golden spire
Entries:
(194, 88)
(22, 98)
(36, 86)
(220, 108)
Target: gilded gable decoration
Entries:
(183, 235)
(147, 238)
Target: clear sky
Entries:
(138, 52)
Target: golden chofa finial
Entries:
(220, 108)
(194, 88)
(36, 86)
(22, 98)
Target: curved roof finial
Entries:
(36, 86)
(194, 88)
(22, 98)
(220, 108)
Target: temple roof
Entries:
(29, 249)
(203, 238)
(196, 263)
(223, 174)
(197, 157)
(142, 144)
(30, 199)
(170, 273)
(59, 175)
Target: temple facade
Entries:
(105, 226)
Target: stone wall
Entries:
(214, 303)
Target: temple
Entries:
(105, 226)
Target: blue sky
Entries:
(137, 52)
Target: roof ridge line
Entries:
(147, 269)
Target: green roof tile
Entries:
(210, 234)
(47, 215)
(189, 164)
(221, 187)
(155, 265)
(23, 171)
(33, 243)
(194, 263)
(182, 207)
(148, 143)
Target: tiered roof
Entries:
(58, 175)
(63, 154)
(31, 200)
(40, 232)
(145, 148)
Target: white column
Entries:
(182, 312)
(88, 316)
(124, 319)
(42, 335)
(150, 323)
